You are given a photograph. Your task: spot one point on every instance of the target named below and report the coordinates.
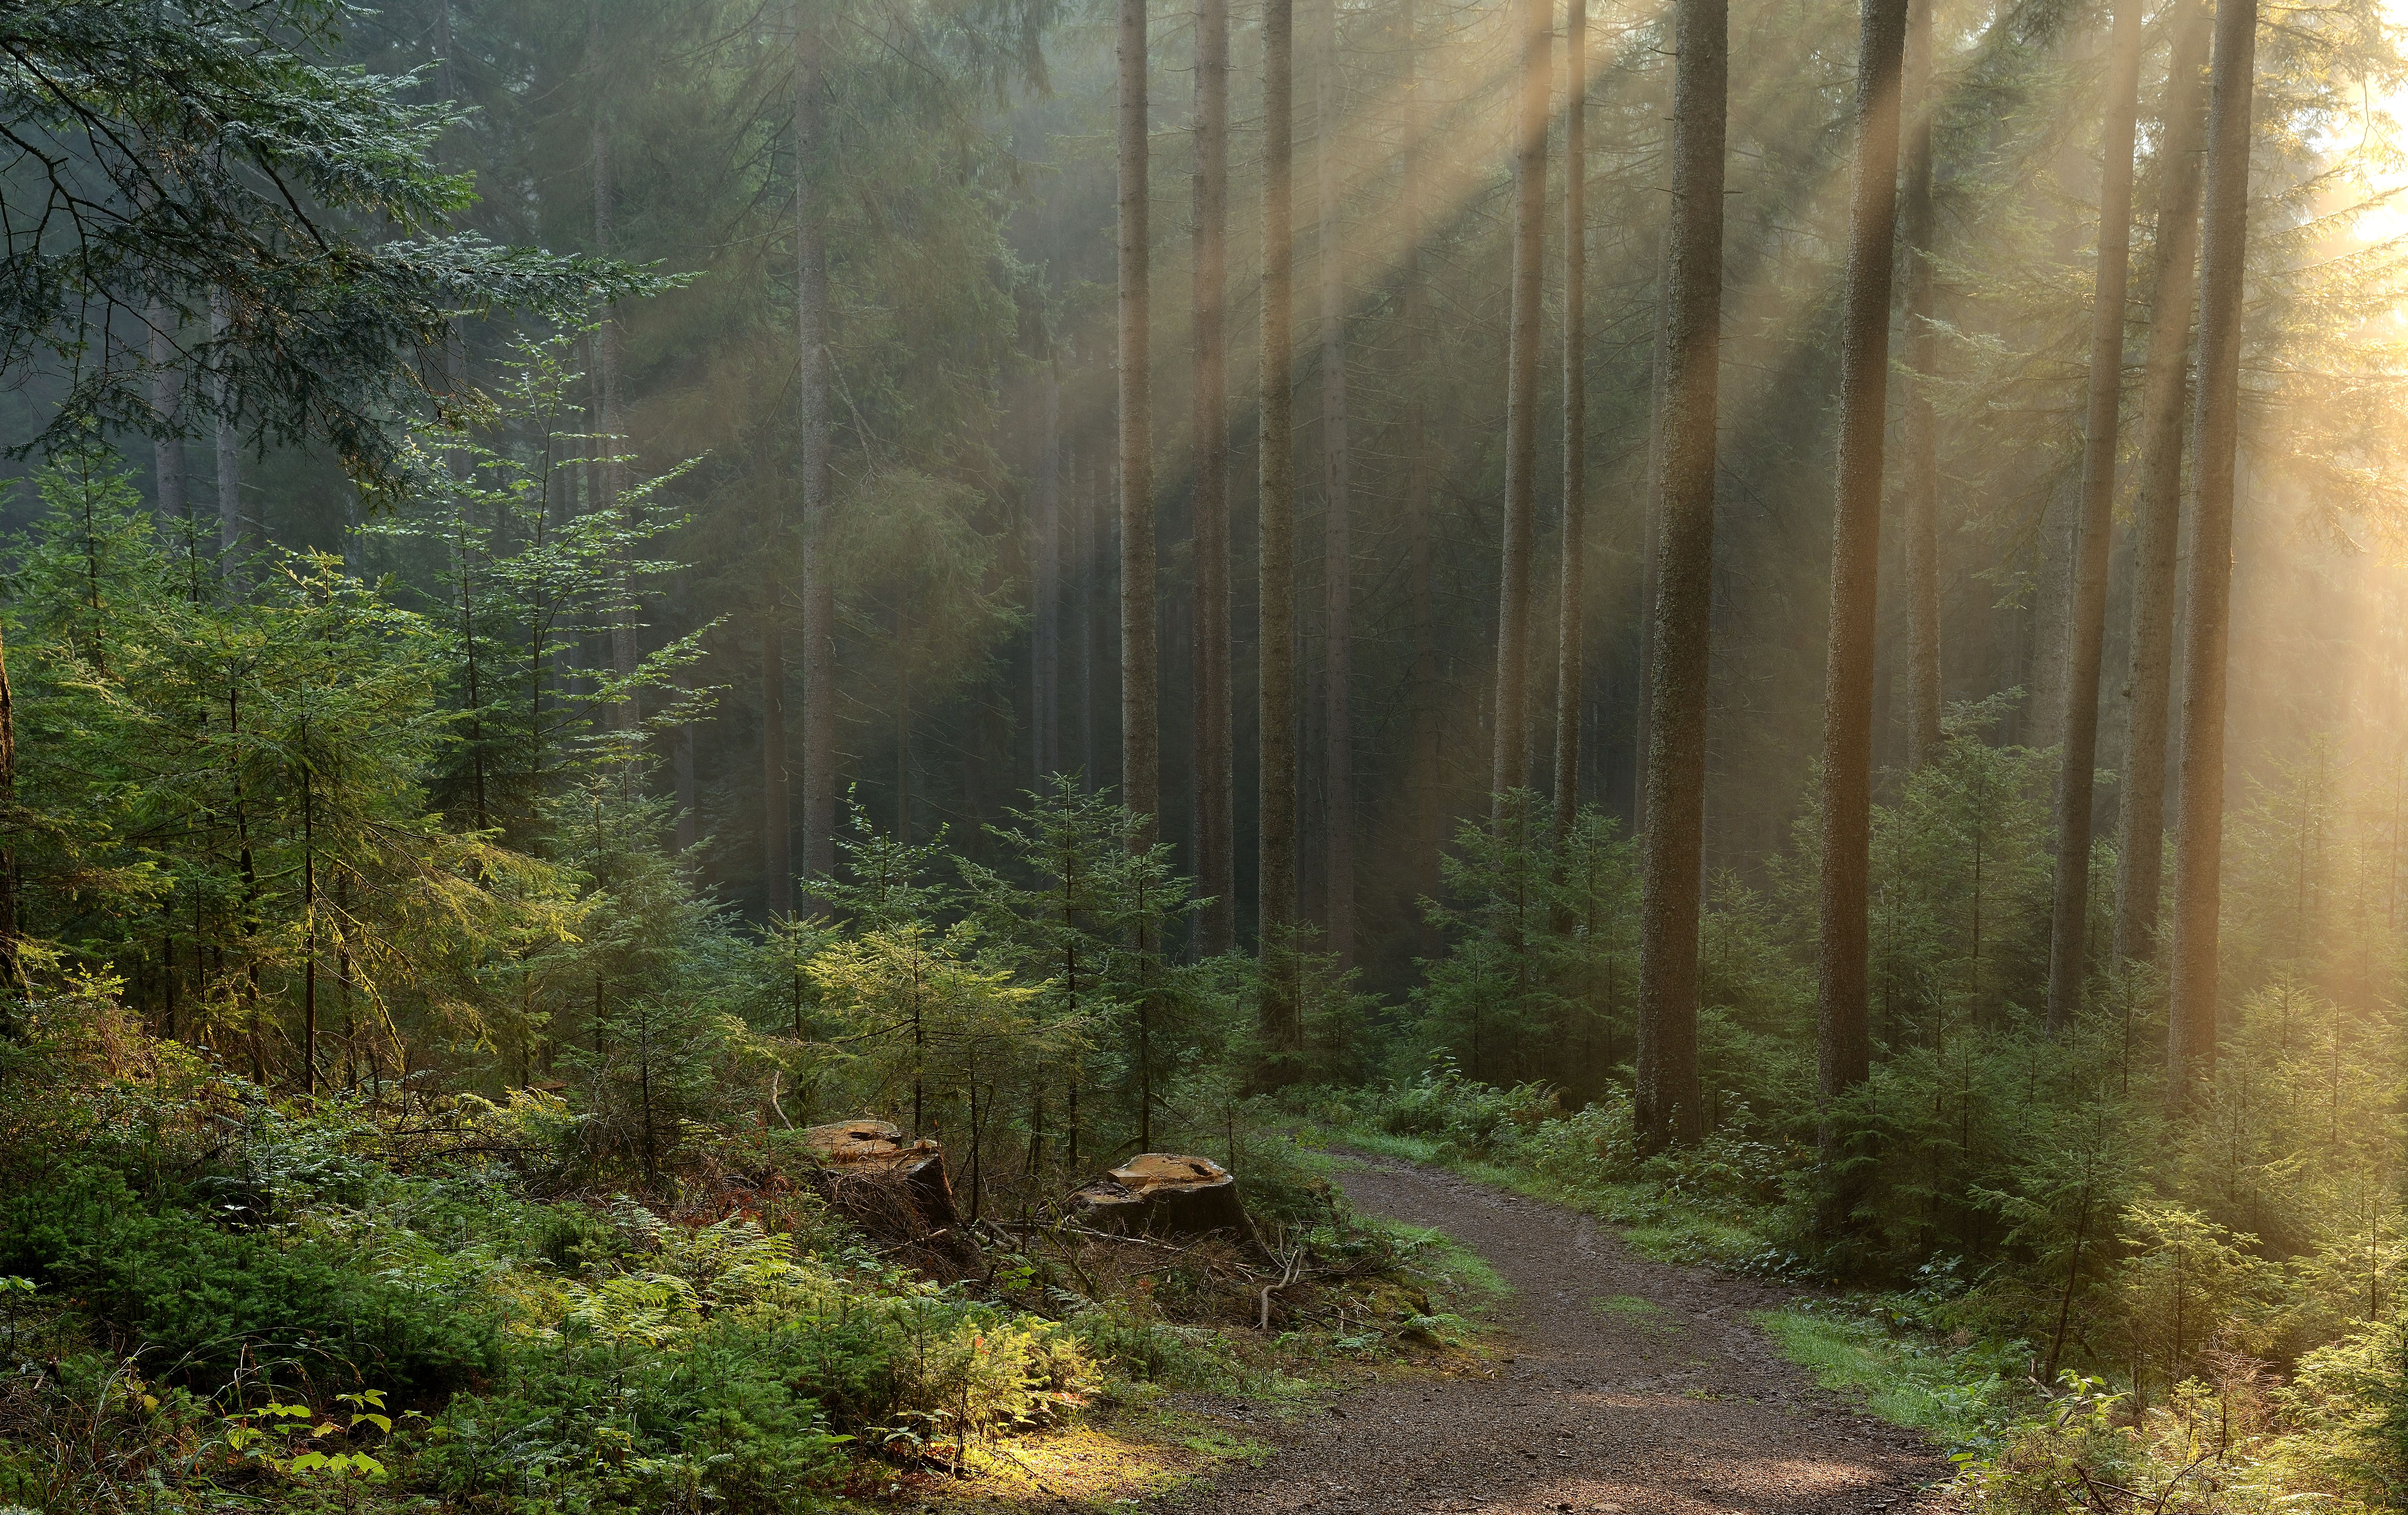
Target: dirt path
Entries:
(1630, 1385)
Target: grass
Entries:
(1652, 1224)
(1455, 1268)
(1957, 1398)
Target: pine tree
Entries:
(1571, 594)
(2140, 817)
(1276, 640)
(2198, 837)
(1666, 1102)
(1141, 715)
(1217, 869)
(817, 482)
(2087, 605)
(1919, 500)
(1337, 484)
(1843, 1036)
(1529, 143)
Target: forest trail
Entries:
(1619, 1384)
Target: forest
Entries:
(1782, 625)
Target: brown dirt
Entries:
(1684, 1408)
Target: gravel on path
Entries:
(1619, 1384)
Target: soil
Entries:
(1616, 1383)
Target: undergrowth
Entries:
(213, 1300)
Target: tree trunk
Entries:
(1216, 866)
(1336, 543)
(1844, 1038)
(683, 777)
(1667, 1106)
(777, 835)
(902, 731)
(1045, 583)
(1512, 734)
(12, 972)
(1924, 695)
(2086, 622)
(605, 486)
(1425, 796)
(234, 542)
(2199, 814)
(818, 502)
(1140, 725)
(166, 396)
(1276, 636)
(1570, 594)
(1084, 497)
(1650, 527)
(2140, 817)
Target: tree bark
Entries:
(1650, 528)
(1512, 734)
(818, 502)
(1337, 484)
(1667, 1106)
(1844, 1038)
(1427, 831)
(1216, 868)
(1925, 689)
(1084, 595)
(1141, 722)
(605, 485)
(1276, 637)
(2198, 813)
(2140, 817)
(2087, 621)
(12, 972)
(683, 777)
(1570, 592)
(167, 397)
(1045, 581)
(777, 835)
(235, 541)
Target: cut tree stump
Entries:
(1163, 1194)
(895, 1189)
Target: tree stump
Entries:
(895, 1189)
(1163, 1194)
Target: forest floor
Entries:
(1611, 1382)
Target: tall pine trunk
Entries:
(2207, 598)
(1216, 865)
(1276, 636)
(813, 383)
(1426, 792)
(1140, 726)
(1571, 594)
(1667, 1107)
(1659, 378)
(604, 487)
(1925, 688)
(235, 542)
(777, 835)
(1512, 734)
(2140, 817)
(1045, 580)
(2086, 629)
(1842, 1035)
(1087, 494)
(1337, 484)
(166, 398)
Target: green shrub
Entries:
(195, 1301)
(1477, 1119)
